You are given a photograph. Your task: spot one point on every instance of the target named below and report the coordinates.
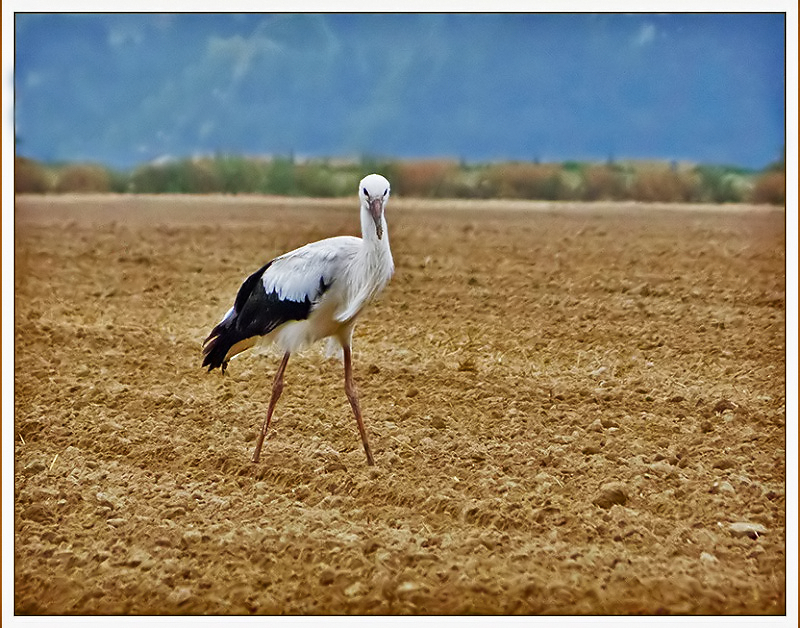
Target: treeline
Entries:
(569, 181)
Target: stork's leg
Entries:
(277, 389)
(352, 396)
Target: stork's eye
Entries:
(385, 192)
(365, 192)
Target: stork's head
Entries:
(374, 192)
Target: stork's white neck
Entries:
(370, 270)
(378, 263)
(369, 232)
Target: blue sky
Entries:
(126, 88)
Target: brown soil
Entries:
(569, 406)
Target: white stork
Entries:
(311, 293)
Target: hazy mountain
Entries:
(122, 89)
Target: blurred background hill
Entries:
(680, 107)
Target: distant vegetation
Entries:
(569, 181)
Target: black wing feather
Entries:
(255, 313)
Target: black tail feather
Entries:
(217, 345)
(229, 331)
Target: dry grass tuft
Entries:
(424, 179)
(603, 183)
(30, 177)
(83, 178)
(770, 188)
(663, 184)
(527, 181)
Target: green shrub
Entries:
(119, 182)
(718, 184)
(319, 179)
(281, 178)
(155, 179)
(239, 175)
(177, 177)
(369, 164)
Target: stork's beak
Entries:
(376, 211)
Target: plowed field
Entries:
(573, 408)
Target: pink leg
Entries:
(277, 389)
(352, 396)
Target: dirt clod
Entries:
(327, 576)
(190, 537)
(610, 494)
(438, 423)
(38, 513)
(32, 468)
(745, 528)
(180, 596)
(724, 404)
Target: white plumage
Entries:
(311, 293)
